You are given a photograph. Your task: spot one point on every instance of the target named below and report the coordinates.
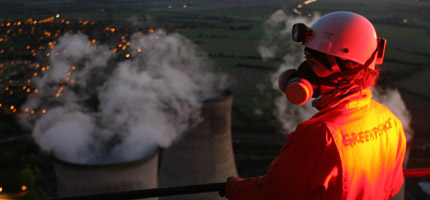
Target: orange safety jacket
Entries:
(352, 149)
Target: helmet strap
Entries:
(371, 59)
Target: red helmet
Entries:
(343, 34)
(332, 40)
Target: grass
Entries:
(230, 46)
(234, 11)
(408, 57)
(403, 33)
(235, 62)
(253, 34)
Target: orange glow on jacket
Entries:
(352, 149)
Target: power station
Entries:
(203, 155)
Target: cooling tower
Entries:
(204, 154)
(82, 179)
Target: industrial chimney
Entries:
(204, 154)
(83, 179)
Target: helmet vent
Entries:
(346, 50)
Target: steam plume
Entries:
(100, 110)
(392, 99)
(425, 187)
(277, 42)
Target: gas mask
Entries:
(296, 84)
(302, 84)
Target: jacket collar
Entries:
(350, 101)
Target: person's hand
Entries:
(221, 190)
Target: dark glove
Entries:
(221, 190)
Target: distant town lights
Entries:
(42, 49)
(297, 11)
(309, 1)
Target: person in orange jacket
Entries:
(354, 147)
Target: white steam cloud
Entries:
(392, 99)
(277, 41)
(100, 110)
(425, 187)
